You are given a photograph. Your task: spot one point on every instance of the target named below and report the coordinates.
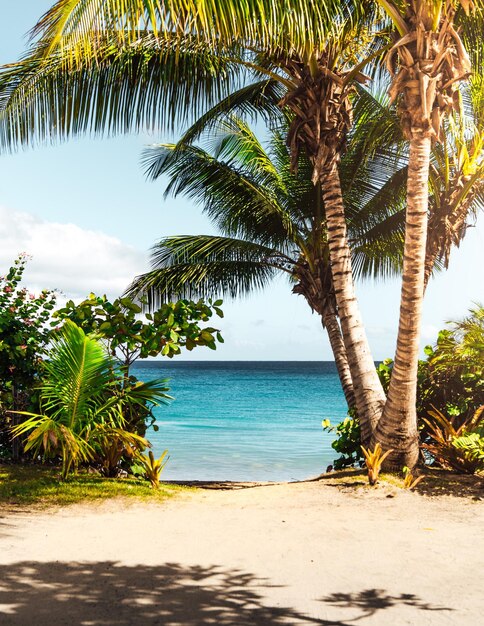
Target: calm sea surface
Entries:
(245, 420)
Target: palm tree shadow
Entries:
(371, 601)
(105, 593)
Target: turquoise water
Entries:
(245, 420)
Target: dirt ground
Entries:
(302, 554)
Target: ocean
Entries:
(245, 421)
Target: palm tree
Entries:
(427, 63)
(88, 70)
(272, 222)
(92, 69)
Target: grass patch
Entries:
(40, 486)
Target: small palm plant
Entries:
(152, 467)
(112, 444)
(81, 418)
(374, 460)
(410, 481)
(457, 447)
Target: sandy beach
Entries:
(301, 554)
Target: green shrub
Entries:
(81, 417)
(451, 378)
(24, 335)
(456, 447)
(347, 442)
(128, 337)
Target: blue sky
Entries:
(85, 212)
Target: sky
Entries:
(85, 212)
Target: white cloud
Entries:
(66, 257)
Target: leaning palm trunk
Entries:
(431, 60)
(317, 287)
(330, 321)
(369, 395)
(323, 116)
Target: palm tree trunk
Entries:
(397, 428)
(329, 321)
(369, 394)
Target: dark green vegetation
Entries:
(81, 405)
(450, 401)
(24, 335)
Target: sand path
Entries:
(299, 554)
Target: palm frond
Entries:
(241, 201)
(235, 144)
(376, 129)
(378, 194)
(206, 266)
(78, 373)
(151, 84)
(257, 99)
(292, 24)
(378, 252)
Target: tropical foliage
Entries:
(456, 447)
(374, 460)
(272, 223)
(24, 335)
(67, 392)
(129, 337)
(347, 442)
(78, 399)
(450, 393)
(24, 329)
(106, 65)
(410, 481)
(451, 378)
(151, 468)
(164, 331)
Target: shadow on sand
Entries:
(106, 593)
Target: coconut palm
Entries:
(456, 181)
(427, 63)
(86, 71)
(272, 222)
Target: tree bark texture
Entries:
(397, 428)
(315, 283)
(431, 61)
(330, 321)
(322, 110)
(369, 394)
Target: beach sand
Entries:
(300, 554)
